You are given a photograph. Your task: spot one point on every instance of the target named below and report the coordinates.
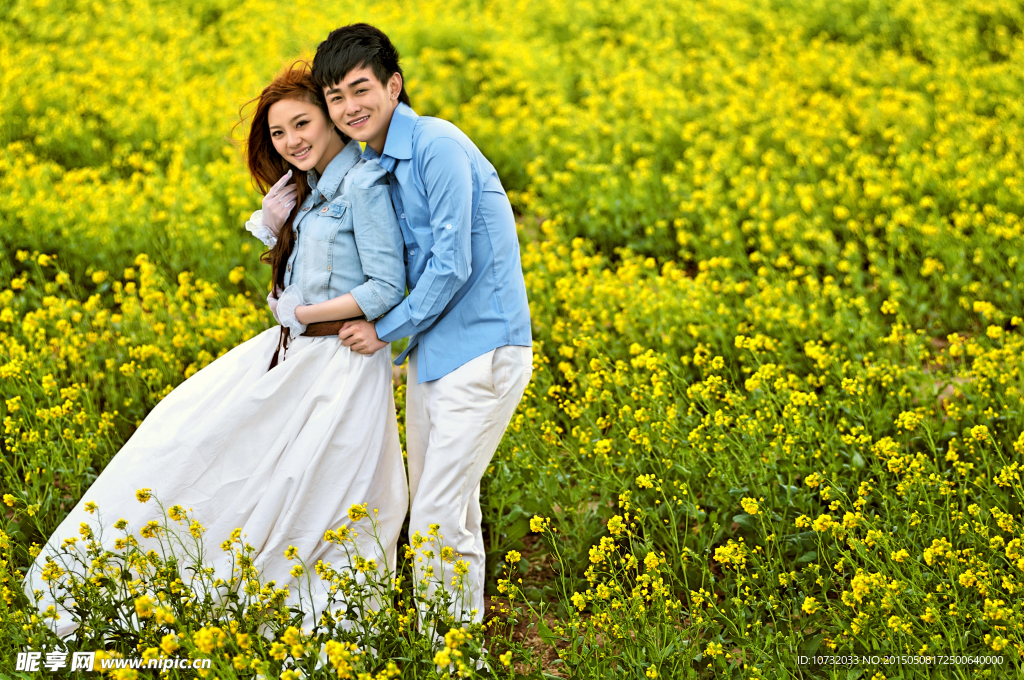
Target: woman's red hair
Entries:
(267, 166)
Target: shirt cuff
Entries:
(393, 325)
(255, 226)
(368, 300)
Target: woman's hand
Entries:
(278, 203)
(286, 304)
(272, 298)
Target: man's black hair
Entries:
(356, 46)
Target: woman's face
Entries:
(301, 133)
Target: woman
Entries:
(284, 433)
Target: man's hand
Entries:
(361, 336)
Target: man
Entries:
(470, 355)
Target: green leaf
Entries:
(811, 646)
(746, 521)
(807, 557)
(545, 633)
(517, 530)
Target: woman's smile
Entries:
(302, 134)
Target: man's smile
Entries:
(358, 121)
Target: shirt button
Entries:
(447, 226)
(328, 267)
(289, 267)
(403, 216)
(324, 210)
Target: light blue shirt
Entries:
(467, 293)
(348, 238)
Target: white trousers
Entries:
(452, 427)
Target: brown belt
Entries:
(328, 327)
(323, 328)
(316, 329)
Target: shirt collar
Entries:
(399, 140)
(327, 186)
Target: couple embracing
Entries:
(284, 433)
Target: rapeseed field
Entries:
(773, 251)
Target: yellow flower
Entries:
(810, 605)
(909, 420)
(357, 512)
(513, 557)
(143, 495)
(169, 643)
(9, 500)
(645, 481)
(506, 658)
(443, 657)
(749, 506)
(144, 606)
(823, 523)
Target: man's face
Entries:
(361, 106)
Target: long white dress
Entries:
(280, 453)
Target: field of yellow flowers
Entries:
(775, 258)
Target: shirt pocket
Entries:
(327, 220)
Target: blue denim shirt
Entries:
(467, 293)
(348, 239)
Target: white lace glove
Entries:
(286, 304)
(272, 298)
(259, 230)
(279, 203)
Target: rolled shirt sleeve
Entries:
(448, 182)
(378, 240)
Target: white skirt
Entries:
(282, 454)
